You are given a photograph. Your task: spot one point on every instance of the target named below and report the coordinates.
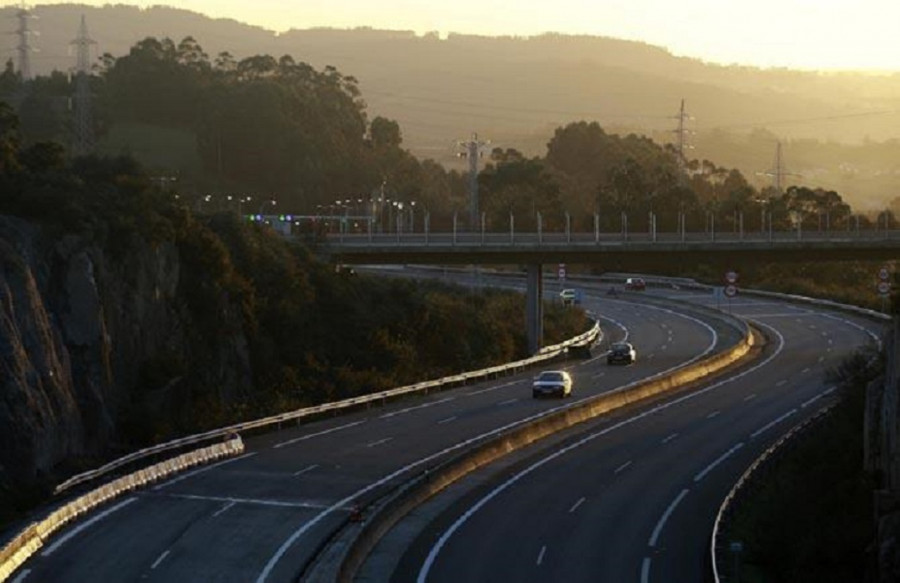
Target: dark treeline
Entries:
(281, 130)
(312, 334)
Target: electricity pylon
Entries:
(473, 150)
(84, 125)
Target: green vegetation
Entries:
(313, 335)
(810, 519)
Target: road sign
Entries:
(884, 288)
(884, 274)
(562, 271)
(730, 290)
(731, 277)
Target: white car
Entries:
(552, 382)
(570, 296)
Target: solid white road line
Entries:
(662, 520)
(645, 570)
(21, 576)
(435, 550)
(83, 526)
(718, 461)
(160, 559)
(311, 435)
(771, 424)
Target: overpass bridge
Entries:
(614, 251)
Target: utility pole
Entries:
(473, 150)
(24, 48)
(84, 126)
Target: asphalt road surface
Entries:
(265, 515)
(633, 496)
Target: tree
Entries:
(514, 185)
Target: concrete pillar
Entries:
(534, 312)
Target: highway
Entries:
(632, 496)
(265, 515)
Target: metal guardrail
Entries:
(748, 474)
(546, 353)
(31, 539)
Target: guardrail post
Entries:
(483, 217)
(568, 227)
(427, 225)
(596, 227)
(512, 229)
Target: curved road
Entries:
(263, 516)
(632, 497)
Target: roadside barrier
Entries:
(725, 508)
(545, 354)
(387, 511)
(31, 539)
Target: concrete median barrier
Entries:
(386, 512)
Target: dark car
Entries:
(635, 284)
(621, 353)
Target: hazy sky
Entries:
(809, 34)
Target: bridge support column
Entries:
(534, 312)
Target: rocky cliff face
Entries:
(81, 332)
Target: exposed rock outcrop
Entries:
(85, 335)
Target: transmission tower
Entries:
(473, 150)
(682, 134)
(778, 172)
(24, 48)
(84, 123)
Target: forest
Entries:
(267, 134)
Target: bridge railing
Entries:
(530, 239)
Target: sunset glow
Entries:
(805, 34)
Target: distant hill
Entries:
(516, 91)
